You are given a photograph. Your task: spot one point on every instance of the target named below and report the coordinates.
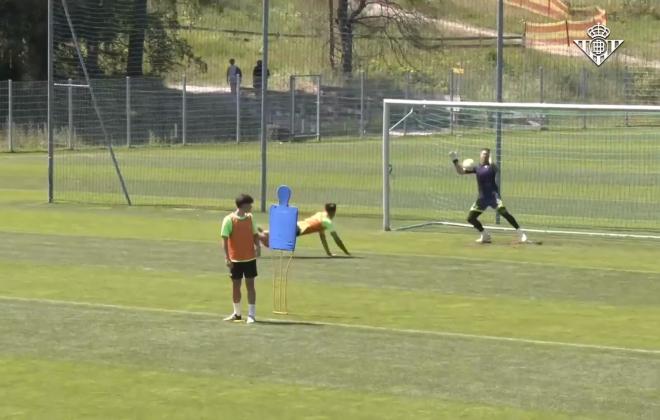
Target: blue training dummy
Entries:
(283, 222)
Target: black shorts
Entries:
(483, 203)
(247, 269)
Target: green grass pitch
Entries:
(115, 312)
(567, 177)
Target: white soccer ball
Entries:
(468, 164)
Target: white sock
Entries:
(252, 310)
(237, 308)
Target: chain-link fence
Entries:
(162, 72)
(160, 76)
(144, 111)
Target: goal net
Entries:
(563, 168)
(130, 91)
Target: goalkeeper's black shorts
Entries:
(483, 203)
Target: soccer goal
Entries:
(583, 169)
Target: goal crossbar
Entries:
(544, 231)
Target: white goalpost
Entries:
(565, 168)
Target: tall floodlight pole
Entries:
(264, 107)
(500, 70)
(49, 117)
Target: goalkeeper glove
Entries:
(453, 156)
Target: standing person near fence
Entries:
(257, 75)
(234, 75)
(241, 245)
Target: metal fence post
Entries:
(238, 108)
(50, 107)
(524, 79)
(292, 92)
(10, 116)
(541, 85)
(627, 91)
(451, 84)
(70, 114)
(362, 91)
(128, 111)
(184, 112)
(499, 95)
(406, 96)
(386, 166)
(318, 109)
(583, 94)
(264, 105)
(451, 98)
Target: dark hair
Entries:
(231, 61)
(330, 207)
(244, 199)
(485, 149)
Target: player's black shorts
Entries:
(247, 269)
(483, 203)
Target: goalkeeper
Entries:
(489, 195)
(320, 222)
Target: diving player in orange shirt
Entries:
(320, 222)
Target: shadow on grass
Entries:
(323, 257)
(283, 323)
(313, 257)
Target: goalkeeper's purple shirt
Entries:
(486, 181)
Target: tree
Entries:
(115, 37)
(347, 18)
(385, 19)
(331, 29)
(23, 39)
(136, 39)
(164, 48)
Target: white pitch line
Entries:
(341, 325)
(546, 231)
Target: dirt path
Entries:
(460, 28)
